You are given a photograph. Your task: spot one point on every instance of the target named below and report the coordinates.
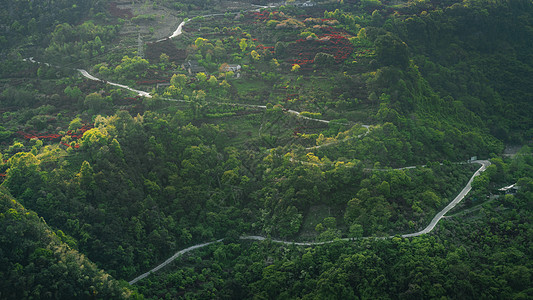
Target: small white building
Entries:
(511, 189)
(231, 67)
(301, 4)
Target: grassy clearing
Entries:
(241, 130)
(252, 91)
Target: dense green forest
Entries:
(38, 263)
(344, 124)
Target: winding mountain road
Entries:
(87, 75)
(462, 194)
(179, 30)
(484, 164)
(170, 259)
(428, 229)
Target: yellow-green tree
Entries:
(23, 176)
(243, 44)
(201, 77)
(295, 68)
(94, 139)
(212, 81)
(255, 55)
(178, 80)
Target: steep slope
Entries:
(36, 262)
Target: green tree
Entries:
(94, 138)
(73, 93)
(86, 179)
(172, 91)
(356, 231)
(4, 134)
(324, 59)
(202, 77)
(391, 51)
(280, 49)
(255, 55)
(75, 124)
(178, 80)
(164, 58)
(212, 81)
(23, 177)
(95, 103)
(384, 189)
(243, 45)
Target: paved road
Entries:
(462, 194)
(86, 74)
(170, 259)
(428, 229)
(179, 30)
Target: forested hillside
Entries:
(343, 126)
(38, 263)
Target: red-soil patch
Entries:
(292, 97)
(89, 86)
(305, 50)
(154, 51)
(262, 47)
(263, 16)
(54, 137)
(260, 16)
(119, 12)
